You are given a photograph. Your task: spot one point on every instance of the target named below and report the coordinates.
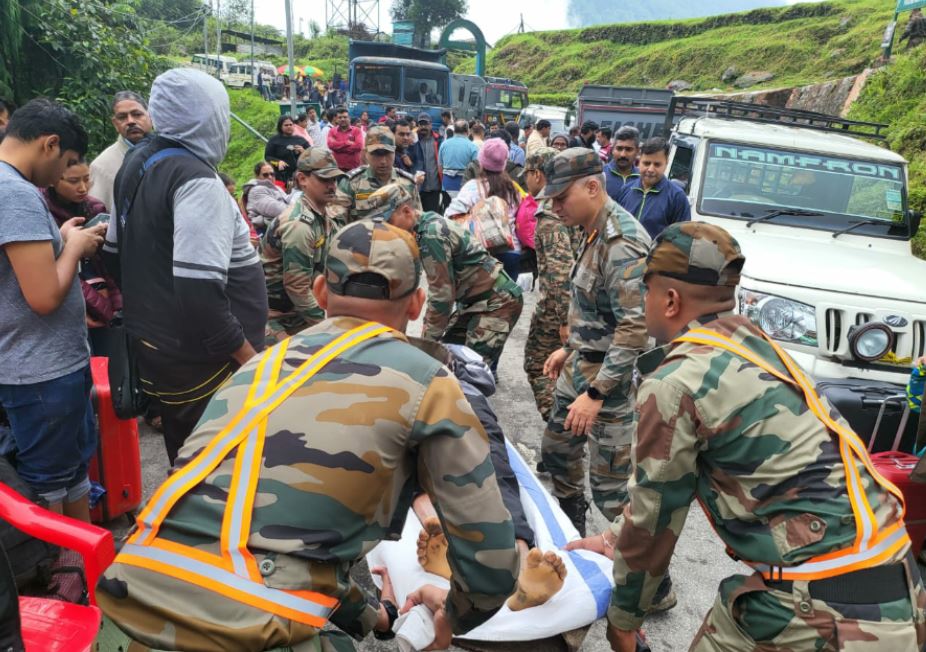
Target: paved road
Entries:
(699, 563)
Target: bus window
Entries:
(373, 82)
(425, 86)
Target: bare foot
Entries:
(432, 549)
(541, 578)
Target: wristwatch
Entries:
(594, 394)
(393, 612)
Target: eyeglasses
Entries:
(266, 175)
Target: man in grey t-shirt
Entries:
(44, 357)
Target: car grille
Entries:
(909, 340)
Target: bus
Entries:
(212, 64)
(242, 74)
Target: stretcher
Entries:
(583, 599)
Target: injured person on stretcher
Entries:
(413, 571)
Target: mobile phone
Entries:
(102, 218)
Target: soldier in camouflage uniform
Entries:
(742, 430)
(471, 300)
(593, 401)
(362, 182)
(292, 249)
(553, 243)
(344, 437)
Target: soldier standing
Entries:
(553, 243)
(292, 249)
(362, 182)
(728, 418)
(592, 399)
(303, 462)
(461, 274)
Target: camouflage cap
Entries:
(319, 161)
(373, 247)
(383, 202)
(380, 138)
(539, 158)
(569, 165)
(698, 253)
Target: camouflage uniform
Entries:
(360, 182)
(341, 459)
(553, 243)
(471, 300)
(292, 251)
(769, 475)
(606, 332)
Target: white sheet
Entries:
(583, 599)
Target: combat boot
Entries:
(665, 597)
(575, 507)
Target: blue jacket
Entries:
(616, 182)
(662, 205)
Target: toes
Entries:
(534, 557)
(432, 527)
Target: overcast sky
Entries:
(503, 17)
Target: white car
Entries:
(823, 220)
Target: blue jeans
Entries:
(55, 433)
(511, 261)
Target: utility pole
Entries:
(521, 26)
(292, 63)
(253, 74)
(207, 8)
(218, 41)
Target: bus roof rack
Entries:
(710, 107)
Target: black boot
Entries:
(575, 507)
(665, 597)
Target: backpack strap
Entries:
(147, 165)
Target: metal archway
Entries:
(479, 47)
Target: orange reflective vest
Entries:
(234, 573)
(873, 545)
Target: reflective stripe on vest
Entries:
(872, 545)
(234, 573)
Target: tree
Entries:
(314, 28)
(428, 15)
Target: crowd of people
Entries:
(302, 422)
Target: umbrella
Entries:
(312, 71)
(284, 70)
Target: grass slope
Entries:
(800, 44)
(244, 148)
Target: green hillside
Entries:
(799, 44)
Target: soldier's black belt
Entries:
(593, 356)
(284, 304)
(867, 586)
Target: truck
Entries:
(243, 74)
(413, 80)
(618, 106)
(467, 95)
(504, 100)
(822, 215)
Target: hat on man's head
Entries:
(697, 253)
(567, 166)
(424, 117)
(380, 138)
(319, 161)
(383, 202)
(370, 259)
(539, 158)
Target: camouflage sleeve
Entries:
(437, 259)
(455, 468)
(555, 258)
(297, 242)
(661, 488)
(624, 279)
(357, 613)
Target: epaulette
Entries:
(357, 171)
(407, 175)
(612, 229)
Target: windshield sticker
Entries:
(893, 199)
(805, 161)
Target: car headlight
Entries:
(871, 341)
(781, 319)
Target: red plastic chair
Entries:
(53, 625)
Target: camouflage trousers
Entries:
(113, 639)
(608, 444)
(542, 340)
(749, 616)
(280, 326)
(485, 325)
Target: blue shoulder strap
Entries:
(149, 162)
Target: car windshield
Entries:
(425, 86)
(746, 181)
(506, 99)
(375, 82)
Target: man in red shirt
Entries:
(345, 142)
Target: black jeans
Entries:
(432, 201)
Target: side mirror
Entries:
(914, 218)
